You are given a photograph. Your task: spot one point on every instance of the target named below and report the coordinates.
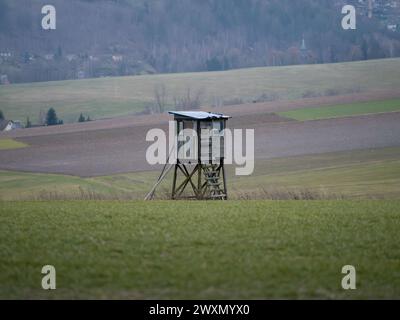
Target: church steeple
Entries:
(303, 47)
(303, 51)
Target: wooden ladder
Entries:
(212, 176)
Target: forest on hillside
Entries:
(97, 38)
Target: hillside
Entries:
(111, 97)
(128, 37)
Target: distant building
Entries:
(5, 125)
(5, 56)
(81, 75)
(387, 11)
(49, 56)
(8, 125)
(303, 51)
(71, 57)
(117, 58)
(17, 125)
(4, 79)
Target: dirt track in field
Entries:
(118, 145)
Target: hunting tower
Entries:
(199, 171)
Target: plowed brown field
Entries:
(118, 145)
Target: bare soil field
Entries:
(238, 112)
(118, 145)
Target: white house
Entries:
(8, 125)
(117, 58)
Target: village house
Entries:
(117, 58)
(81, 74)
(8, 125)
(71, 57)
(4, 79)
(5, 56)
(49, 56)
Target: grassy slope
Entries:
(120, 96)
(343, 110)
(8, 144)
(356, 174)
(237, 250)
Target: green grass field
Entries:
(343, 110)
(110, 97)
(359, 174)
(187, 250)
(8, 144)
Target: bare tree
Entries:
(160, 97)
(189, 101)
(42, 118)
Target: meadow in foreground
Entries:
(228, 250)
